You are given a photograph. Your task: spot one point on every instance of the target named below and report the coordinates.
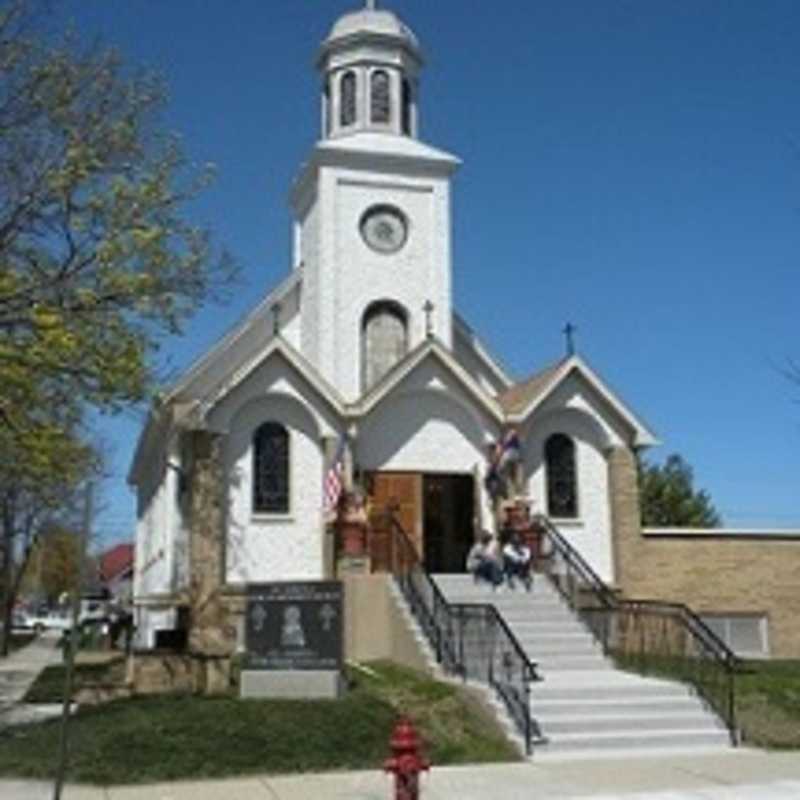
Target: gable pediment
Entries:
(280, 369)
(573, 384)
(430, 366)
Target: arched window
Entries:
(406, 105)
(271, 469)
(562, 476)
(384, 340)
(380, 97)
(347, 99)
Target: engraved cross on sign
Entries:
(327, 615)
(259, 616)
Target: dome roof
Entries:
(371, 21)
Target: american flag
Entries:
(334, 479)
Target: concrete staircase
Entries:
(584, 706)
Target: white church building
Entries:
(361, 343)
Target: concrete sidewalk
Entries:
(18, 671)
(732, 775)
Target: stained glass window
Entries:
(384, 341)
(381, 99)
(562, 482)
(271, 469)
(347, 97)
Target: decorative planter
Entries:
(351, 527)
(518, 515)
(534, 539)
(352, 538)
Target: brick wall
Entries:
(731, 573)
(722, 572)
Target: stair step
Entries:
(695, 720)
(546, 692)
(540, 590)
(547, 655)
(549, 626)
(584, 705)
(556, 618)
(546, 640)
(563, 644)
(569, 661)
(527, 604)
(558, 641)
(552, 709)
(634, 739)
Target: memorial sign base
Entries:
(291, 684)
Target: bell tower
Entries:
(371, 209)
(370, 66)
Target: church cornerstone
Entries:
(626, 524)
(212, 634)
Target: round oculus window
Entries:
(384, 228)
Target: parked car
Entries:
(47, 621)
(94, 609)
(21, 621)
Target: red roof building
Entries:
(116, 563)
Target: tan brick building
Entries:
(744, 583)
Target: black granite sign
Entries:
(294, 626)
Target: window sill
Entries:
(271, 519)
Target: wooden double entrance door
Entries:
(437, 511)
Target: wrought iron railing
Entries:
(647, 636)
(489, 652)
(469, 640)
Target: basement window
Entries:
(745, 634)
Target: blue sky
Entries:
(630, 165)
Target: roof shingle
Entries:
(518, 397)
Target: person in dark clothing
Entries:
(483, 562)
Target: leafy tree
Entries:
(29, 507)
(54, 565)
(98, 261)
(97, 257)
(669, 499)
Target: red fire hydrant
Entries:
(407, 761)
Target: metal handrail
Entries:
(602, 592)
(610, 619)
(456, 629)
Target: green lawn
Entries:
(168, 738)
(49, 685)
(768, 703)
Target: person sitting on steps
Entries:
(482, 561)
(517, 562)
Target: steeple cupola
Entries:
(370, 64)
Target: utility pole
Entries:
(72, 646)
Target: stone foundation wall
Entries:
(210, 630)
(154, 672)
